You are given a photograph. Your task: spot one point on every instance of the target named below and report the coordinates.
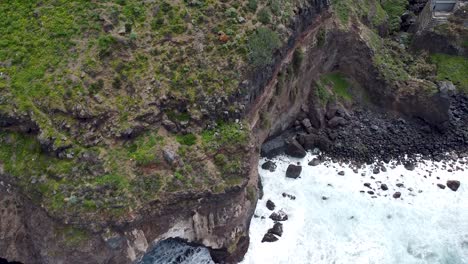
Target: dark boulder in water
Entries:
(441, 186)
(270, 205)
(293, 171)
(287, 195)
(410, 166)
(397, 195)
(341, 173)
(269, 165)
(314, 162)
(280, 216)
(384, 187)
(453, 185)
(277, 229)
(268, 237)
(294, 149)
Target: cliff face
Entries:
(215, 208)
(217, 220)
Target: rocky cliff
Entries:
(132, 159)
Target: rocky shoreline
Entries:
(363, 135)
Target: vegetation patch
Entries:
(339, 83)
(261, 45)
(394, 9)
(452, 68)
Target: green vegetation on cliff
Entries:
(452, 68)
(108, 104)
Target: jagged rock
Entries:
(277, 229)
(453, 185)
(269, 237)
(169, 156)
(397, 195)
(293, 171)
(169, 125)
(270, 205)
(312, 141)
(307, 124)
(280, 216)
(440, 185)
(294, 149)
(447, 87)
(269, 165)
(273, 147)
(314, 162)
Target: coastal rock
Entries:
(384, 187)
(397, 195)
(410, 166)
(270, 205)
(314, 162)
(293, 171)
(337, 122)
(269, 237)
(294, 149)
(287, 195)
(341, 173)
(279, 216)
(269, 165)
(453, 185)
(272, 147)
(441, 186)
(277, 229)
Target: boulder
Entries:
(293, 171)
(341, 173)
(269, 237)
(397, 195)
(453, 185)
(169, 156)
(269, 165)
(312, 141)
(314, 162)
(441, 186)
(337, 122)
(277, 229)
(273, 147)
(410, 166)
(384, 187)
(279, 216)
(270, 205)
(294, 149)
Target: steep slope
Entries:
(126, 123)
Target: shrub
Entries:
(264, 16)
(252, 5)
(261, 46)
(189, 139)
(275, 7)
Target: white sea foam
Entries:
(352, 227)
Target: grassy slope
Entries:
(115, 59)
(452, 68)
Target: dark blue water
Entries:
(172, 251)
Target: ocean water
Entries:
(171, 251)
(332, 221)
